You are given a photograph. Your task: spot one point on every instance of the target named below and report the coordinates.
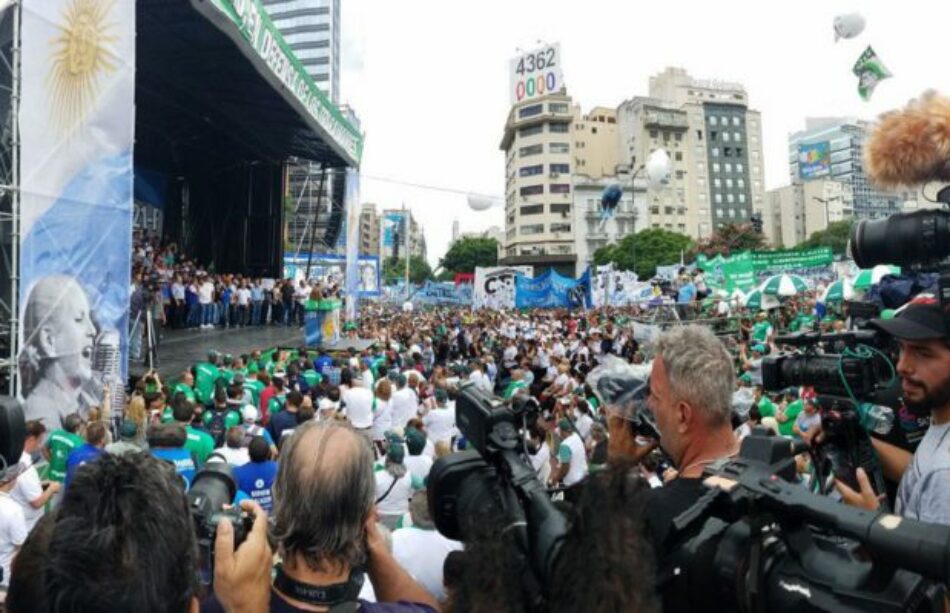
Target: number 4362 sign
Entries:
(536, 73)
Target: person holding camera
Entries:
(923, 331)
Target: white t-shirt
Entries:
(12, 533)
(541, 462)
(481, 380)
(405, 406)
(382, 420)
(359, 407)
(422, 553)
(396, 501)
(243, 296)
(206, 293)
(234, 457)
(925, 487)
(27, 489)
(577, 456)
(583, 422)
(418, 465)
(178, 291)
(440, 423)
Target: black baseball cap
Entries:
(920, 319)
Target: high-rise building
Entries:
(714, 141)
(417, 239)
(369, 229)
(537, 142)
(793, 213)
(312, 31)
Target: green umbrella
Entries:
(872, 276)
(756, 300)
(838, 291)
(783, 285)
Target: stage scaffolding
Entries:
(9, 195)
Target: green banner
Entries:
(728, 273)
(255, 26)
(791, 259)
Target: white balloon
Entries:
(479, 203)
(848, 25)
(658, 169)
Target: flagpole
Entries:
(406, 231)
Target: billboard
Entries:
(333, 269)
(394, 228)
(536, 73)
(495, 286)
(76, 119)
(814, 160)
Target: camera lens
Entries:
(902, 239)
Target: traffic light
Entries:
(756, 220)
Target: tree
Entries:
(644, 251)
(728, 239)
(834, 236)
(395, 270)
(467, 253)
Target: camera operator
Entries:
(691, 389)
(924, 370)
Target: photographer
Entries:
(924, 370)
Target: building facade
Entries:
(370, 230)
(537, 142)
(714, 141)
(592, 231)
(844, 138)
(794, 212)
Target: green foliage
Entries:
(467, 253)
(395, 270)
(644, 251)
(834, 236)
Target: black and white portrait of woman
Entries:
(55, 359)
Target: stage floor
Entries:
(181, 349)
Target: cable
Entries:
(436, 188)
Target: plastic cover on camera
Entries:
(622, 388)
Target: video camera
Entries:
(495, 480)
(212, 488)
(756, 541)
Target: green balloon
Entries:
(887, 314)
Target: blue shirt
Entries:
(256, 478)
(322, 364)
(181, 459)
(79, 456)
(283, 420)
(226, 296)
(686, 293)
(255, 430)
(257, 293)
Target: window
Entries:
(741, 198)
(699, 135)
(678, 136)
(740, 168)
(532, 229)
(715, 167)
(530, 111)
(717, 183)
(565, 168)
(719, 212)
(740, 183)
(667, 210)
(560, 208)
(593, 130)
(738, 152)
(725, 120)
(736, 121)
(559, 127)
(532, 190)
(560, 227)
(559, 147)
(530, 130)
(702, 196)
(530, 171)
(725, 137)
(531, 150)
(713, 120)
(728, 167)
(681, 227)
(730, 198)
(666, 135)
(732, 212)
(680, 174)
(560, 188)
(713, 135)
(678, 156)
(715, 152)
(701, 181)
(727, 152)
(681, 211)
(558, 107)
(531, 209)
(737, 136)
(718, 198)
(654, 210)
(729, 183)
(653, 133)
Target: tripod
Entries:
(144, 326)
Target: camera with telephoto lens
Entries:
(758, 541)
(494, 479)
(212, 488)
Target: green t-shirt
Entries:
(167, 415)
(564, 454)
(275, 404)
(60, 444)
(199, 443)
(791, 412)
(766, 407)
(802, 320)
(760, 331)
(512, 388)
(255, 387)
(312, 378)
(206, 374)
(186, 390)
(231, 418)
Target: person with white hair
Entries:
(250, 418)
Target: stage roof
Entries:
(216, 83)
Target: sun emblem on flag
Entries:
(82, 53)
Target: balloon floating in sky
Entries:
(610, 198)
(658, 169)
(848, 25)
(479, 203)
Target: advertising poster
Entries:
(495, 286)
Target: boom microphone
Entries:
(911, 146)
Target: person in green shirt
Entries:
(198, 442)
(761, 329)
(186, 385)
(517, 383)
(206, 375)
(220, 418)
(60, 443)
(786, 418)
(766, 406)
(255, 385)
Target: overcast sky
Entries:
(429, 79)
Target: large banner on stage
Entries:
(495, 286)
(552, 290)
(76, 121)
(329, 267)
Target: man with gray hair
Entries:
(325, 527)
(691, 387)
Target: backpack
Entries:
(217, 428)
(250, 432)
